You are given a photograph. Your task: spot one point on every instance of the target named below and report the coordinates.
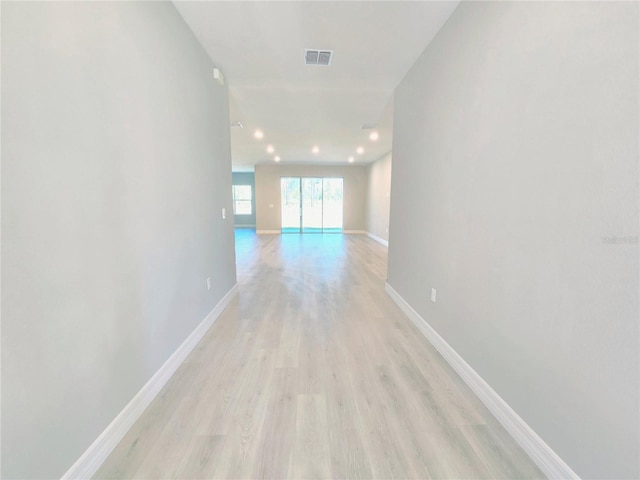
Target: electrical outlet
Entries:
(208, 283)
(433, 295)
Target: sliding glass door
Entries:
(311, 205)
(332, 205)
(291, 213)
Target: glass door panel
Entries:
(332, 205)
(290, 201)
(311, 205)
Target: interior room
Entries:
(320, 239)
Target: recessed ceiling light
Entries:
(258, 134)
(373, 136)
(315, 149)
(360, 150)
(350, 159)
(270, 148)
(276, 158)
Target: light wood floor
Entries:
(313, 372)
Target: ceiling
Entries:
(259, 46)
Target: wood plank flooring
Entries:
(314, 373)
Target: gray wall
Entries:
(115, 166)
(378, 197)
(246, 178)
(515, 164)
(268, 192)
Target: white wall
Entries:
(268, 192)
(115, 165)
(378, 197)
(515, 164)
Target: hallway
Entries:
(313, 372)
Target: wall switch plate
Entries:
(433, 295)
(217, 74)
(224, 213)
(208, 283)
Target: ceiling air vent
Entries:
(317, 57)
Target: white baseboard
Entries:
(542, 455)
(355, 232)
(378, 239)
(268, 232)
(87, 465)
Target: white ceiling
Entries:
(259, 46)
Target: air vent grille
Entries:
(317, 57)
(311, 57)
(324, 58)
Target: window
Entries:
(242, 200)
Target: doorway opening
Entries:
(311, 204)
